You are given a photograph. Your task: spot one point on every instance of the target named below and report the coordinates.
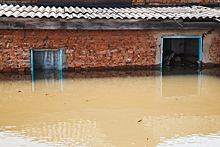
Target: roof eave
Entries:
(102, 24)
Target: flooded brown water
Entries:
(113, 109)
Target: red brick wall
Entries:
(172, 2)
(214, 51)
(84, 49)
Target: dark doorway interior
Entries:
(47, 60)
(180, 52)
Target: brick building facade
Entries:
(87, 50)
(127, 43)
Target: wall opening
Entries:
(181, 51)
(50, 61)
(46, 60)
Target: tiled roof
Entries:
(174, 12)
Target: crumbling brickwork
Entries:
(172, 2)
(214, 51)
(85, 50)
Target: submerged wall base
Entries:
(116, 68)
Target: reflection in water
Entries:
(81, 132)
(175, 86)
(47, 80)
(135, 108)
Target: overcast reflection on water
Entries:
(115, 108)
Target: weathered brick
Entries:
(2, 66)
(214, 51)
(7, 69)
(85, 49)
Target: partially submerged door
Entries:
(50, 61)
(175, 81)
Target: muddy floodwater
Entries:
(174, 108)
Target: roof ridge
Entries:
(172, 12)
(33, 5)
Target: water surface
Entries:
(96, 109)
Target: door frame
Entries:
(32, 65)
(200, 54)
(200, 58)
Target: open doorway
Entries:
(181, 51)
(46, 66)
(46, 60)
